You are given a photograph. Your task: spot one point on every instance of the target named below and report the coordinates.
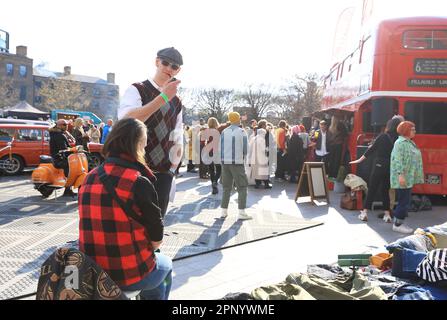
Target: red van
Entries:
(30, 142)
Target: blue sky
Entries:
(225, 44)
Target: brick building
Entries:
(21, 82)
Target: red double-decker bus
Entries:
(399, 68)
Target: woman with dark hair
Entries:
(406, 171)
(296, 154)
(380, 175)
(121, 224)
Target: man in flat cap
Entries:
(154, 102)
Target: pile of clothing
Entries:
(419, 272)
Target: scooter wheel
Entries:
(44, 190)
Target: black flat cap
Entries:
(171, 55)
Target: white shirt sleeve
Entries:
(179, 128)
(131, 100)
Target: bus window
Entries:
(425, 39)
(429, 117)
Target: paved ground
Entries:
(212, 275)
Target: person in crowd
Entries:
(95, 134)
(86, 125)
(106, 130)
(154, 102)
(322, 139)
(337, 146)
(306, 142)
(101, 130)
(281, 142)
(295, 154)
(406, 171)
(252, 129)
(59, 141)
(124, 244)
(234, 146)
(203, 168)
(82, 138)
(380, 176)
(258, 156)
(269, 145)
(189, 132)
(70, 126)
(215, 169)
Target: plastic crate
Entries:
(353, 260)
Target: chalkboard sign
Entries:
(313, 182)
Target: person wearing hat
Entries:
(59, 141)
(234, 144)
(155, 103)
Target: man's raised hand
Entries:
(171, 89)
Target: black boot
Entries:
(267, 185)
(69, 193)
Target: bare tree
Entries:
(64, 94)
(258, 100)
(214, 102)
(308, 91)
(286, 107)
(9, 95)
(301, 97)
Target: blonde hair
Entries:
(78, 122)
(213, 123)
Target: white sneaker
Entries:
(387, 218)
(402, 229)
(243, 215)
(224, 213)
(363, 216)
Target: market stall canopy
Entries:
(23, 110)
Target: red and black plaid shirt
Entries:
(117, 243)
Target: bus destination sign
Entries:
(434, 83)
(430, 66)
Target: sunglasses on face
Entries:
(174, 67)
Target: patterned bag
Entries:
(348, 201)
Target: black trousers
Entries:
(190, 166)
(324, 159)
(281, 164)
(163, 188)
(379, 181)
(62, 164)
(335, 160)
(215, 171)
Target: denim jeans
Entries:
(404, 201)
(157, 284)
